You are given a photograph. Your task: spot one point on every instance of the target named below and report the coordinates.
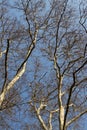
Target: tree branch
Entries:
(6, 60)
(10, 85)
(39, 116)
(70, 92)
(20, 70)
(76, 118)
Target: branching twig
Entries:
(76, 118)
(20, 70)
(70, 92)
(39, 116)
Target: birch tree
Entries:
(44, 64)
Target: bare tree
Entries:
(44, 64)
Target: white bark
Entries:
(39, 116)
(11, 84)
(20, 71)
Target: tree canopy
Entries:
(43, 65)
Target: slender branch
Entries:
(42, 76)
(81, 67)
(26, 15)
(50, 121)
(81, 18)
(1, 53)
(20, 70)
(70, 92)
(12, 105)
(39, 116)
(10, 85)
(61, 16)
(76, 118)
(30, 49)
(82, 24)
(58, 73)
(6, 61)
(71, 63)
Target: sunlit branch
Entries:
(20, 70)
(11, 84)
(39, 116)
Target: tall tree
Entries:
(43, 65)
